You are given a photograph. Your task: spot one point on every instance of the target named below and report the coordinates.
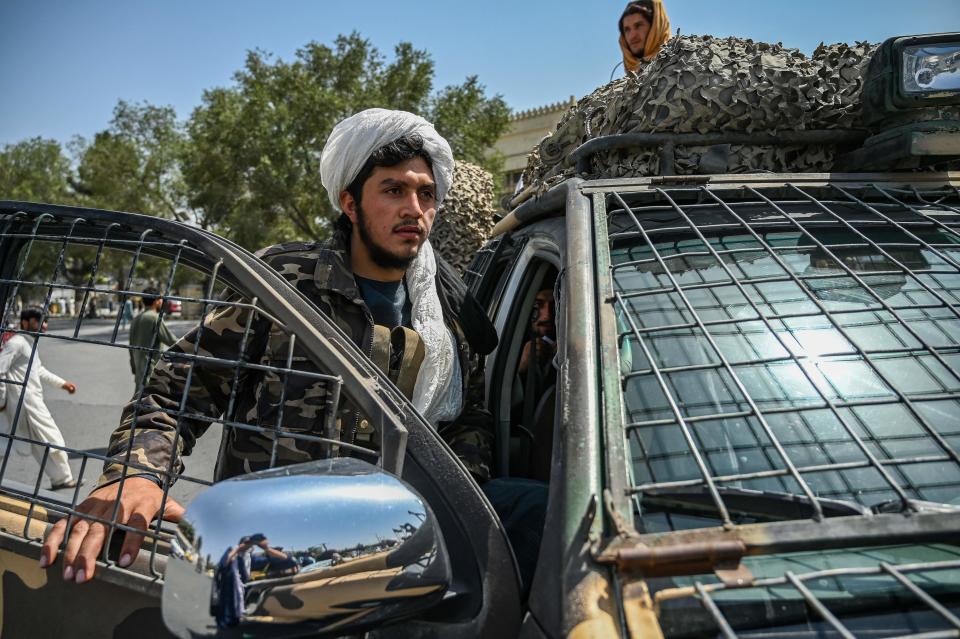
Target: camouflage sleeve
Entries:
(148, 431)
(470, 435)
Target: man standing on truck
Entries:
(34, 420)
(377, 278)
(644, 28)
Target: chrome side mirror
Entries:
(332, 545)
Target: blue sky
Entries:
(65, 63)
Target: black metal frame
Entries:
(784, 220)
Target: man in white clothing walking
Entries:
(35, 420)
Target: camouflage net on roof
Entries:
(700, 84)
(466, 216)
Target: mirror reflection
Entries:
(334, 543)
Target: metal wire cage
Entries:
(787, 354)
(807, 344)
(909, 597)
(247, 333)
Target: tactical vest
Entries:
(398, 353)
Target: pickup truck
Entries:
(751, 426)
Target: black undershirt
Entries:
(388, 301)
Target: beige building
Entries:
(525, 131)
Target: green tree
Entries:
(471, 122)
(134, 165)
(252, 163)
(35, 170)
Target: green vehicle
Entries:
(750, 425)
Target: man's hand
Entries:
(139, 505)
(546, 350)
(70, 387)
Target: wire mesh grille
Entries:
(884, 592)
(237, 368)
(803, 341)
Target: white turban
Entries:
(355, 139)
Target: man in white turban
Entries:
(378, 279)
(388, 171)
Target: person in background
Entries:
(543, 342)
(233, 572)
(34, 420)
(644, 28)
(126, 313)
(147, 331)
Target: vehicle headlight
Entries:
(930, 68)
(912, 72)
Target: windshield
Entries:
(807, 345)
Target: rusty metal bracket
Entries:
(720, 557)
(720, 550)
(688, 559)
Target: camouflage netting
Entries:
(700, 84)
(465, 219)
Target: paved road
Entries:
(104, 384)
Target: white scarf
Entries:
(437, 393)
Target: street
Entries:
(86, 419)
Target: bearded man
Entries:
(377, 278)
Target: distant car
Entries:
(173, 308)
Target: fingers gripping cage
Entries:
(256, 359)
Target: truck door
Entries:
(302, 364)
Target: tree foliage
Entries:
(35, 170)
(252, 164)
(471, 122)
(246, 164)
(131, 166)
(134, 165)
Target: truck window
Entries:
(522, 391)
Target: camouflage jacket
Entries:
(321, 272)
